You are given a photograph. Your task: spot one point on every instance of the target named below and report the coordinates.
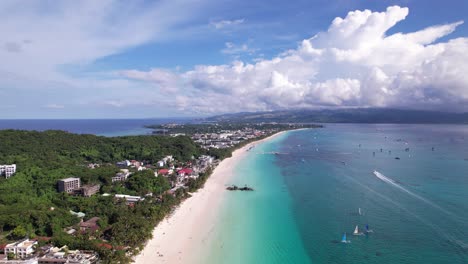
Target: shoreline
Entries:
(182, 236)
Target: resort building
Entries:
(68, 185)
(65, 256)
(21, 249)
(7, 170)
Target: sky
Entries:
(174, 58)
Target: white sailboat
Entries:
(360, 211)
(356, 231)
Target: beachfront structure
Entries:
(7, 170)
(68, 185)
(21, 249)
(4, 260)
(205, 160)
(184, 172)
(65, 256)
(88, 190)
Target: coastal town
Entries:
(183, 177)
(224, 135)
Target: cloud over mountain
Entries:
(352, 64)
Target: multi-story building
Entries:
(69, 185)
(7, 170)
(121, 176)
(21, 249)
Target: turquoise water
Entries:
(258, 226)
(306, 197)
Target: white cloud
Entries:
(352, 64)
(226, 23)
(235, 49)
(113, 103)
(54, 106)
(40, 39)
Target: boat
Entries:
(343, 239)
(368, 230)
(360, 211)
(356, 231)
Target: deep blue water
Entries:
(102, 127)
(419, 214)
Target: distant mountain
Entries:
(360, 115)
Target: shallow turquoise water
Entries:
(258, 226)
(309, 195)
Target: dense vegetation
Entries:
(31, 206)
(354, 115)
(190, 129)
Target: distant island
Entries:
(354, 115)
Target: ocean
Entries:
(321, 184)
(101, 127)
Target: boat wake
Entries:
(448, 236)
(395, 184)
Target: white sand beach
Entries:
(182, 236)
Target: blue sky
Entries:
(120, 59)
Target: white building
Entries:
(168, 159)
(121, 176)
(7, 170)
(21, 249)
(65, 256)
(129, 199)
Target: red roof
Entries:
(39, 238)
(105, 245)
(163, 171)
(185, 171)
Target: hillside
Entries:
(360, 115)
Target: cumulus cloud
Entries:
(352, 64)
(226, 23)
